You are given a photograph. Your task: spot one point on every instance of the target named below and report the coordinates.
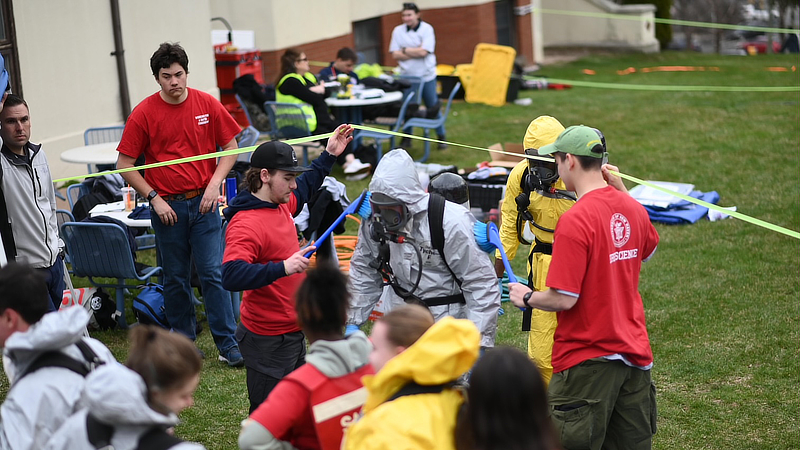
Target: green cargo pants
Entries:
(603, 404)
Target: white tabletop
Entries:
(116, 211)
(387, 97)
(105, 153)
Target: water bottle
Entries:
(230, 187)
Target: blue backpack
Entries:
(149, 308)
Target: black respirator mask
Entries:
(542, 175)
(392, 214)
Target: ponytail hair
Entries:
(163, 359)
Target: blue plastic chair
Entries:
(431, 124)
(63, 216)
(380, 137)
(289, 122)
(74, 192)
(246, 138)
(99, 135)
(416, 85)
(261, 133)
(102, 250)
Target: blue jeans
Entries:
(430, 98)
(197, 237)
(54, 277)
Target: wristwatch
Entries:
(153, 194)
(527, 297)
(403, 50)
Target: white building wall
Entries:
(560, 30)
(303, 21)
(69, 77)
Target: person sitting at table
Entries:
(296, 84)
(346, 59)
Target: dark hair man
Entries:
(344, 63)
(178, 122)
(28, 223)
(601, 351)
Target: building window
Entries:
(367, 37)
(504, 19)
(8, 46)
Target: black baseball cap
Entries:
(276, 155)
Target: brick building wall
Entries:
(524, 33)
(458, 31)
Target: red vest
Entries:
(335, 402)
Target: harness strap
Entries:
(542, 247)
(436, 205)
(538, 247)
(413, 388)
(57, 359)
(98, 433)
(446, 300)
(157, 439)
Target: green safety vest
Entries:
(308, 110)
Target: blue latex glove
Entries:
(350, 329)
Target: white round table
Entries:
(387, 97)
(105, 153)
(348, 110)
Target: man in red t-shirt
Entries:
(263, 257)
(178, 122)
(601, 393)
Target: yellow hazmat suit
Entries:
(545, 210)
(419, 421)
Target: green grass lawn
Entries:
(721, 298)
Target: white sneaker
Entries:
(358, 176)
(356, 166)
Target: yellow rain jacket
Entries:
(545, 212)
(419, 421)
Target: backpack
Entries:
(435, 218)
(149, 307)
(156, 438)
(54, 358)
(104, 311)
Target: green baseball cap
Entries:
(578, 140)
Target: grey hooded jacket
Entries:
(396, 176)
(117, 396)
(40, 402)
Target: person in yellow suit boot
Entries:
(535, 199)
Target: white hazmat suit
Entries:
(396, 177)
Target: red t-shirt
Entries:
(599, 247)
(259, 236)
(163, 132)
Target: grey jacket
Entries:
(396, 176)
(40, 402)
(30, 203)
(117, 396)
(332, 358)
